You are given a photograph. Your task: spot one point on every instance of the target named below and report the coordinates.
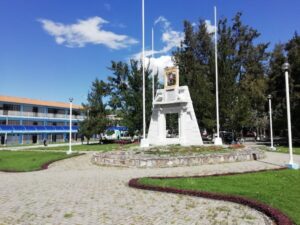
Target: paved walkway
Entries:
(74, 191)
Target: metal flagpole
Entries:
(144, 142)
(143, 55)
(152, 59)
(218, 140)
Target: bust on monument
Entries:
(173, 99)
(171, 78)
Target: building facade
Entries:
(30, 121)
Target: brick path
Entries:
(74, 191)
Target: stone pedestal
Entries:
(178, 101)
(144, 143)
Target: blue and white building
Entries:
(30, 121)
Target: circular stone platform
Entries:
(164, 157)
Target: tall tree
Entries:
(95, 110)
(242, 73)
(194, 59)
(276, 87)
(126, 93)
(293, 55)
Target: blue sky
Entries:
(53, 49)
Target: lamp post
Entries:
(286, 67)
(70, 128)
(271, 125)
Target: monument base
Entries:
(293, 166)
(174, 101)
(144, 143)
(69, 152)
(218, 141)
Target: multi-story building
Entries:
(26, 121)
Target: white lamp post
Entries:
(271, 125)
(285, 67)
(218, 140)
(70, 128)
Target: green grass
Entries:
(28, 145)
(85, 147)
(24, 161)
(279, 189)
(283, 149)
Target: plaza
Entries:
(195, 124)
(75, 191)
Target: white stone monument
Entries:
(173, 99)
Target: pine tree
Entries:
(194, 59)
(242, 73)
(126, 93)
(95, 110)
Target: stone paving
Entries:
(74, 191)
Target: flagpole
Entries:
(144, 141)
(152, 59)
(218, 140)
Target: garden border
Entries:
(276, 215)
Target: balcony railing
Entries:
(10, 113)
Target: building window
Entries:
(10, 107)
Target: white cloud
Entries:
(85, 32)
(170, 37)
(159, 64)
(209, 27)
(162, 58)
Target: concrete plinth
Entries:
(293, 166)
(218, 141)
(144, 143)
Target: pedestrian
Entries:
(45, 142)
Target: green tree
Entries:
(95, 110)
(282, 52)
(242, 66)
(293, 56)
(194, 59)
(276, 87)
(86, 129)
(126, 93)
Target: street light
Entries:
(271, 125)
(70, 127)
(286, 67)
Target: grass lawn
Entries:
(283, 149)
(279, 189)
(24, 161)
(85, 147)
